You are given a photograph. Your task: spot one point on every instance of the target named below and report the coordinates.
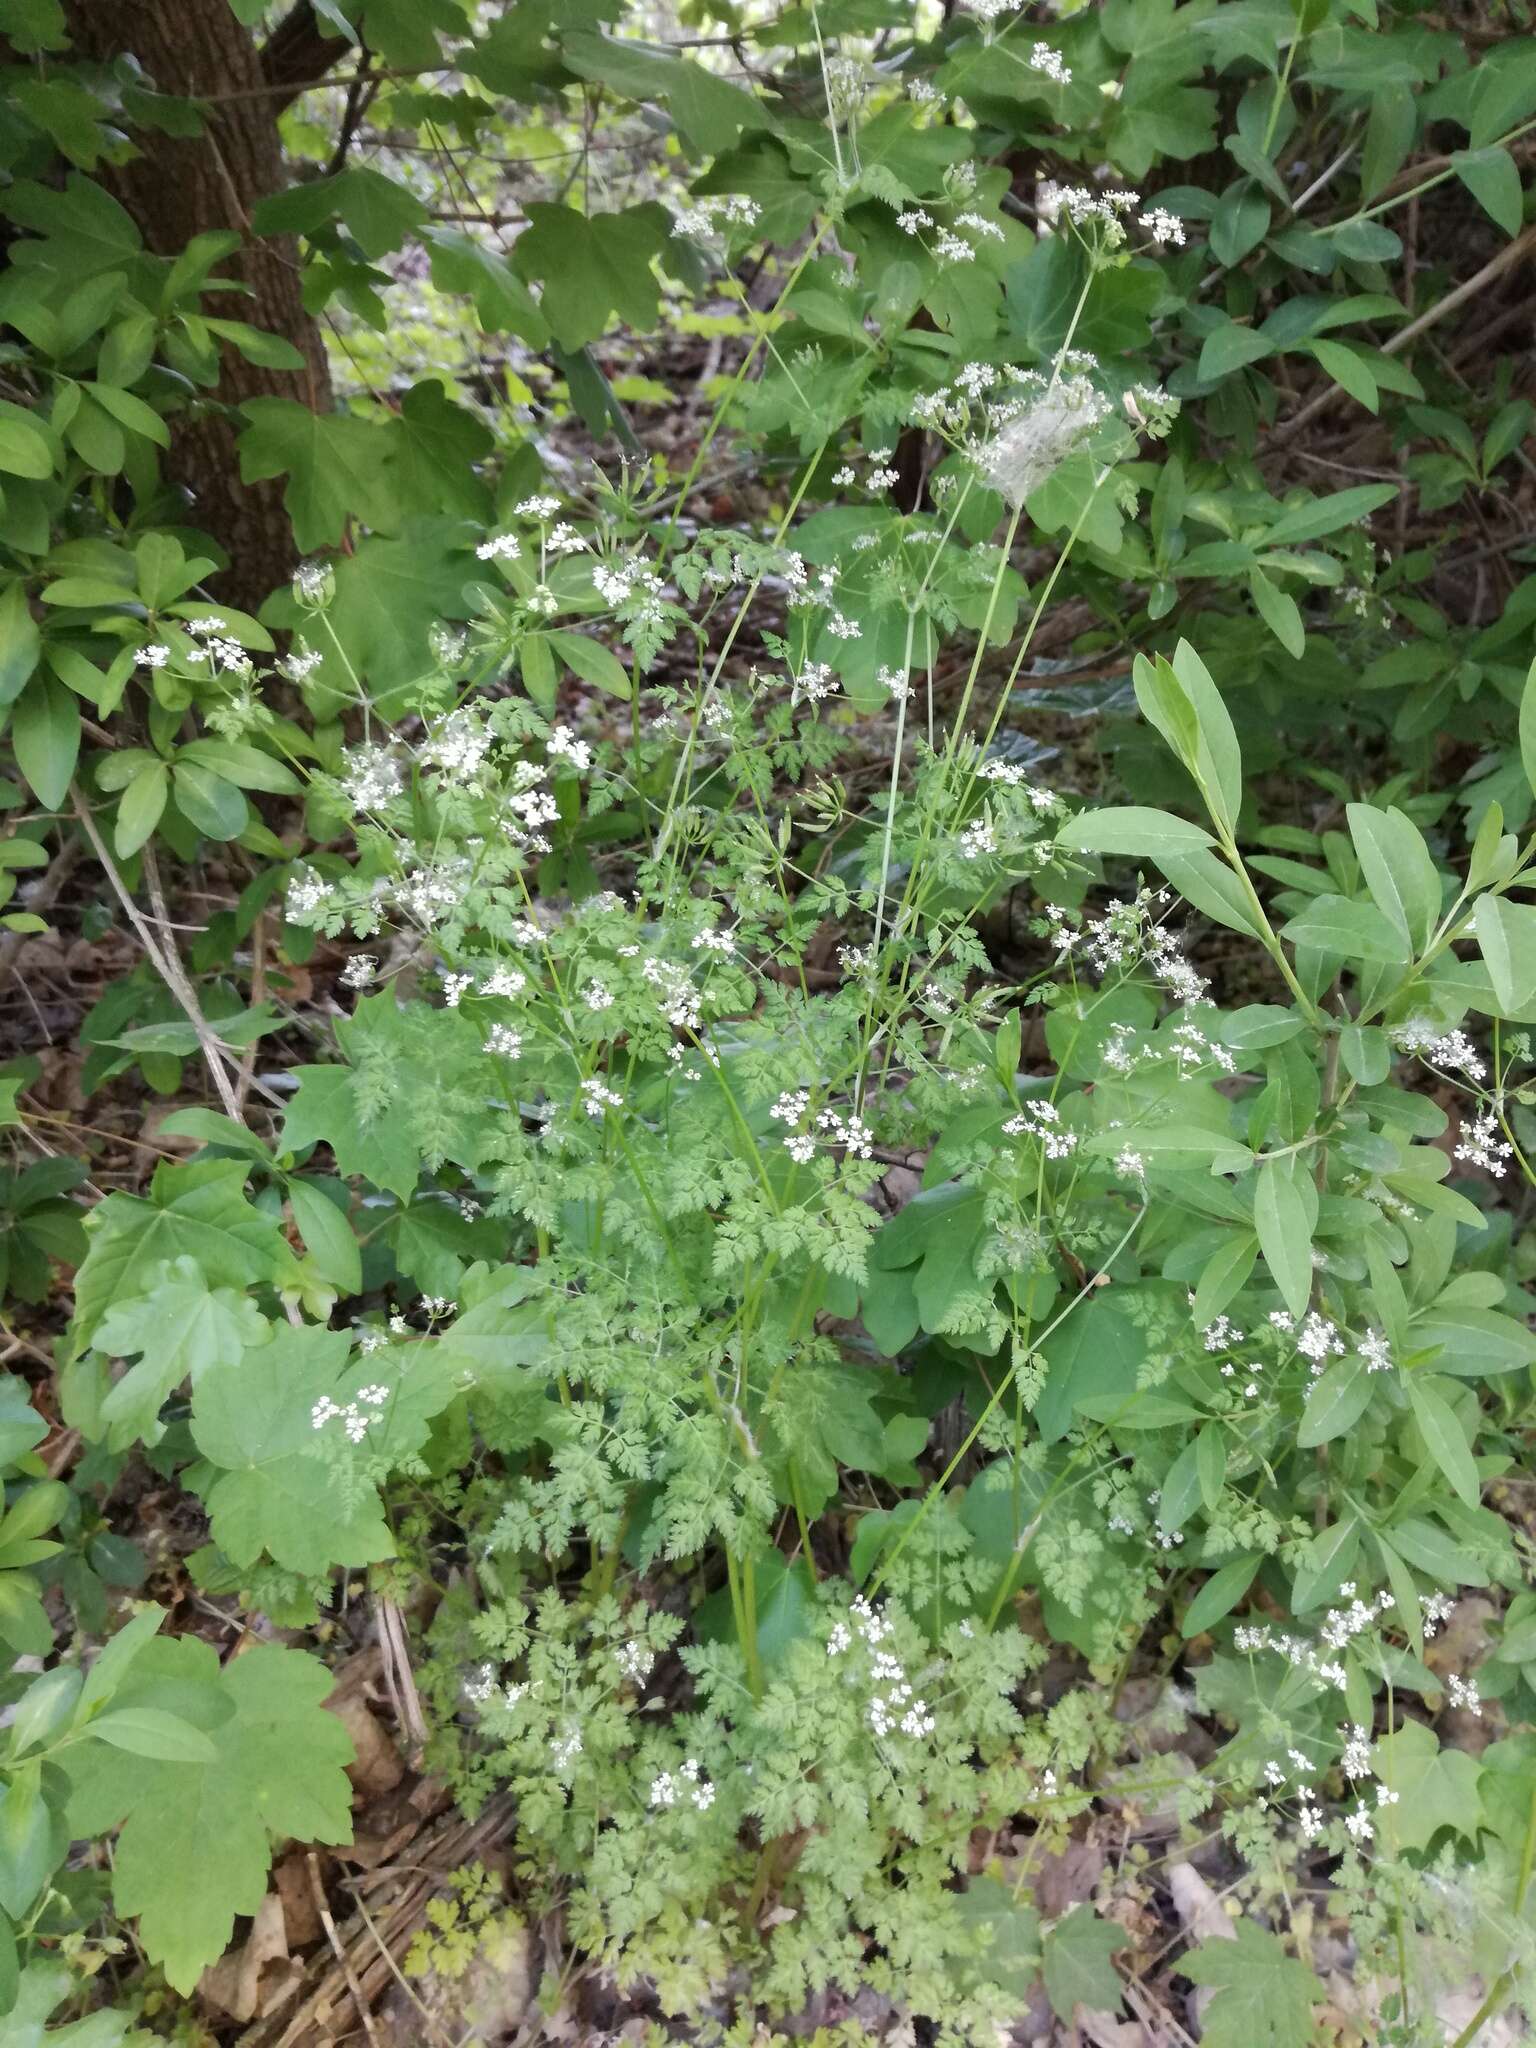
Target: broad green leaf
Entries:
(1349, 370)
(1319, 516)
(179, 1326)
(20, 641)
(1224, 1276)
(198, 1212)
(1506, 938)
(1206, 883)
(1282, 1221)
(45, 734)
(592, 266)
(1325, 1565)
(1528, 727)
(380, 212)
(1492, 178)
(141, 808)
(1219, 1595)
(336, 466)
(327, 1234)
(437, 447)
(1436, 1788)
(197, 1836)
(593, 662)
(1353, 931)
(1335, 1402)
(1229, 348)
(282, 1484)
(1264, 1997)
(1398, 870)
(709, 110)
(151, 1732)
(1367, 1054)
(503, 303)
(1094, 1354)
(1078, 1965)
(1475, 1341)
(1280, 613)
(1444, 1438)
(1132, 830)
(1011, 1957)
(25, 449)
(1220, 759)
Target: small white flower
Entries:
(501, 547)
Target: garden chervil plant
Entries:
(811, 773)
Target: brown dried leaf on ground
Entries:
(248, 1981)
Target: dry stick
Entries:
(167, 964)
(1495, 267)
(318, 1890)
(247, 1069)
(398, 1675)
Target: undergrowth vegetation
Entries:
(805, 788)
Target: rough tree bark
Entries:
(180, 187)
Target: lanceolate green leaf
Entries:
(1398, 870)
(1282, 1221)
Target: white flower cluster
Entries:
(596, 1097)
(1340, 1626)
(893, 1707)
(634, 1659)
(1481, 1145)
(1105, 213)
(1449, 1050)
(708, 215)
(1376, 1351)
(1042, 1122)
(1129, 934)
(851, 1132)
(687, 1782)
(350, 1415)
(217, 648)
(457, 746)
(1044, 59)
(371, 777)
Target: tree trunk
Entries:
(181, 187)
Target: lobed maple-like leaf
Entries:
(196, 1839)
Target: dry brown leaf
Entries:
(234, 1983)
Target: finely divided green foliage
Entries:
(692, 876)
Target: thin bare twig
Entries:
(167, 964)
(317, 1889)
(1509, 255)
